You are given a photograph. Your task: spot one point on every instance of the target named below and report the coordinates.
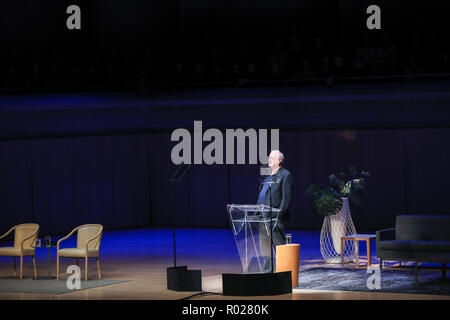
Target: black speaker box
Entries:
(182, 279)
(256, 284)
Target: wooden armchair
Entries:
(88, 246)
(25, 236)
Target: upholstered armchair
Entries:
(88, 246)
(25, 236)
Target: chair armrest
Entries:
(62, 239)
(386, 234)
(8, 232)
(31, 236)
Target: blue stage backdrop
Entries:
(73, 161)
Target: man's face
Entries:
(274, 160)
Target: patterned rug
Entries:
(398, 281)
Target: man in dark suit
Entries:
(281, 192)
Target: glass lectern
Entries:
(252, 234)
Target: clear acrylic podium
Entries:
(251, 228)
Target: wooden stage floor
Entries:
(142, 255)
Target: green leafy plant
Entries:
(328, 197)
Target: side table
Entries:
(287, 259)
(357, 238)
(49, 246)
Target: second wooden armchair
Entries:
(88, 246)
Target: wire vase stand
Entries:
(334, 227)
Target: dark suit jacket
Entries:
(281, 193)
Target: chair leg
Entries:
(381, 264)
(21, 268)
(78, 262)
(98, 268)
(85, 268)
(34, 268)
(15, 267)
(57, 267)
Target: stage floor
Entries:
(142, 255)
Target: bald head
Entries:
(276, 158)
